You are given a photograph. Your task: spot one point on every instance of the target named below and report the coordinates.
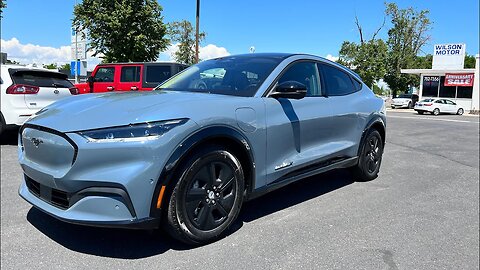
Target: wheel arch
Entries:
(376, 123)
(226, 136)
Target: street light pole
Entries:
(76, 52)
(196, 29)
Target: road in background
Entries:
(422, 212)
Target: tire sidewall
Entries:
(362, 164)
(177, 203)
(460, 111)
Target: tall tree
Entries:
(50, 66)
(406, 38)
(3, 4)
(469, 61)
(367, 58)
(183, 33)
(122, 30)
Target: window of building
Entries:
(446, 91)
(130, 74)
(464, 91)
(430, 86)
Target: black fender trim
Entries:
(183, 148)
(374, 121)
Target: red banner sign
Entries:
(459, 79)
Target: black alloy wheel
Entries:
(207, 197)
(370, 157)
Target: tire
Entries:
(370, 157)
(207, 197)
(460, 111)
(436, 111)
(420, 112)
(2, 123)
(409, 105)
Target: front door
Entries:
(104, 79)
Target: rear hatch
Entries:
(52, 86)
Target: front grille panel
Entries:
(52, 196)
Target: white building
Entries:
(448, 78)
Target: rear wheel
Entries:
(207, 197)
(460, 111)
(370, 157)
(436, 111)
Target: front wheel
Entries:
(460, 111)
(207, 197)
(420, 112)
(370, 157)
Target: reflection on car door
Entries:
(305, 128)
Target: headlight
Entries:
(132, 132)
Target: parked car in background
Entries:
(437, 106)
(24, 91)
(187, 155)
(128, 76)
(404, 101)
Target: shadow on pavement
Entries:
(9, 137)
(136, 244)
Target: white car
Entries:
(437, 106)
(24, 91)
(404, 101)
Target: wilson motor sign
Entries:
(448, 56)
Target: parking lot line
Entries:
(434, 119)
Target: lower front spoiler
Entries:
(92, 211)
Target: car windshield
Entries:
(405, 96)
(234, 75)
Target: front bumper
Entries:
(90, 183)
(396, 106)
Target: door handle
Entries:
(133, 88)
(110, 88)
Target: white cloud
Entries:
(36, 54)
(208, 52)
(331, 57)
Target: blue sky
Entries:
(316, 27)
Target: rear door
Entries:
(104, 79)
(52, 86)
(130, 78)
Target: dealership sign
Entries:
(448, 56)
(459, 79)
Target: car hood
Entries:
(91, 111)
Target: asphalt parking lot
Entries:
(422, 212)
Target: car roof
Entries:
(141, 63)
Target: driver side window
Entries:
(305, 73)
(105, 74)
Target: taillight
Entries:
(22, 89)
(427, 104)
(74, 91)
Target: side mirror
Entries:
(290, 89)
(90, 80)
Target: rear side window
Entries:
(337, 82)
(105, 74)
(157, 74)
(130, 74)
(41, 79)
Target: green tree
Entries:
(65, 67)
(50, 66)
(405, 41)
(367, 59)
(469, 61)
(3, 4)
(122, 30)
(183, 33)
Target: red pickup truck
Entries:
(128, 76)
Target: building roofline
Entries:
(436, 71)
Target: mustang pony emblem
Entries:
(36, 142)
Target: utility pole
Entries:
(196, 31)
(76, 52)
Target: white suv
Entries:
(24, 91)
